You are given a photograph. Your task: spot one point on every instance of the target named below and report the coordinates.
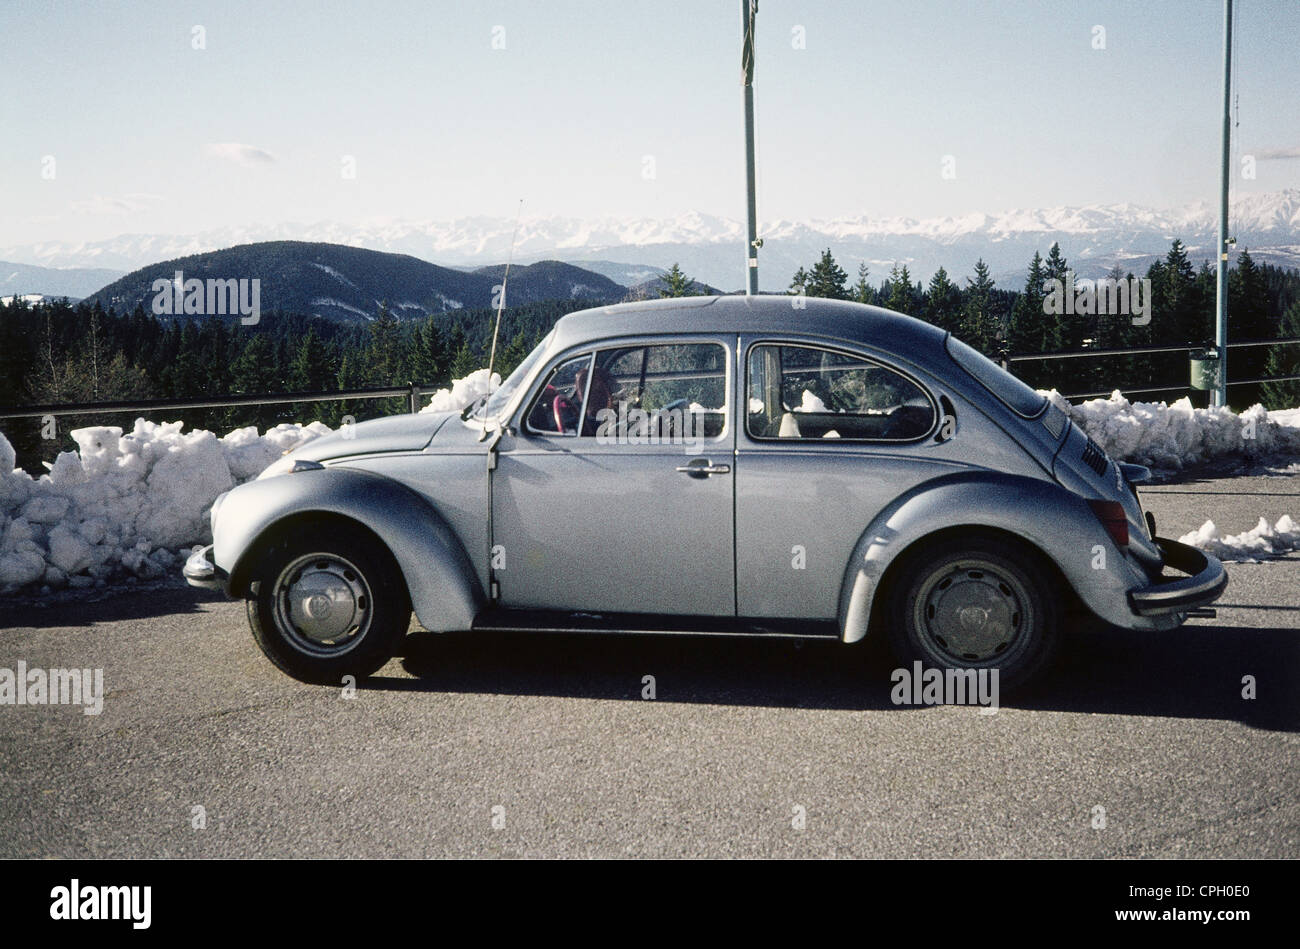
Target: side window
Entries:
(555, 411)
(808, 393)
(637, 395)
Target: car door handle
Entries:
(703, 468)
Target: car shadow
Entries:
(79, 608)
(1193, 672)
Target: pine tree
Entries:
(677, 284)
(1055, 267)
(827, 279)
(900, 289)
(800, 281)
(311, 370)
(464, 359)
(1178, 291)
(862, 290)
(1284, 361)
(979, 323)
(509, 358)
(387, 365)
(1054, 328)
(1025, 334)
(1248, 319)
(429, 356)
(943, 302)
(255, 371)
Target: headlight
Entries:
(289, 465)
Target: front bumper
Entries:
(1205, 582)
(200, 571)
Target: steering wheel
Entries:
(562, 407)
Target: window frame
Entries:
(592, 349)
(936, 416)
(543, 380)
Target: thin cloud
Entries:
(111, 204)
(1278, 154)
(250, 156)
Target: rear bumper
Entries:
(1205, 582)
(200, 571)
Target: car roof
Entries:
(775, 314)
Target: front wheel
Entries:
(329, 603)
(983, 604)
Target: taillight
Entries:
(1112, 517)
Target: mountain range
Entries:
(710, 248)
(74, 283)
(348, 284)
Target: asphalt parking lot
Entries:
(1139, 745)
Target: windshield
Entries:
(1011, 391)
(501, 396)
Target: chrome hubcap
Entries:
(971, 612)
(323, 603)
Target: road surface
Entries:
(1140, 745)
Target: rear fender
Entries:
(1040, 513)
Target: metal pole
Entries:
(1221, 292)
(748, 13)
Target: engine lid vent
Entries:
(1094, 457)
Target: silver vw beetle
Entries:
(763, 466)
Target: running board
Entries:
(545, 621)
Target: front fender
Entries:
(1055, 521)
(445, 593)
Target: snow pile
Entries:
(1260, 543)
(1173, 436)
(463, 392)
(134, 504)
(124, 504)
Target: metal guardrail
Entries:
(412, 392)
(1139, 350)
(1007, 360)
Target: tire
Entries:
(984, 603)
(329, 602)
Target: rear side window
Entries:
(806, 393)
(1013, 393)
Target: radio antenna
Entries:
(501, 302)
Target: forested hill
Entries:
(348, 284)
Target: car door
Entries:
(829, 438)
(613, 490)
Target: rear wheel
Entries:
(982, 604)
(329, 603)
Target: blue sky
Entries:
(442, 125)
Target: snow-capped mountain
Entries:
(710, 248)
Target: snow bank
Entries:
(124, 504)
(462, 392)
(1173, 436)
(1260, 543)
(133, 504)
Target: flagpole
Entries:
(1221, 291)
(748, 14)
